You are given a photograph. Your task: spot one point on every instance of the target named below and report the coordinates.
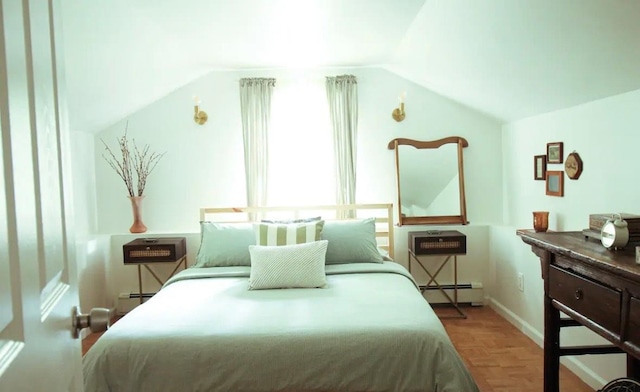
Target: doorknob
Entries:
(97, 320)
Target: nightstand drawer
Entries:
(154, 250)
(435, 242)
(594, 301)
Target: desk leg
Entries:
(140, 282)
(633, 367)
(551, 347)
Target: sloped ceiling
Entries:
(122, 55)
(507, 58)
(517, 58)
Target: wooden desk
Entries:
(597, 288)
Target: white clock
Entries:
(614, 233)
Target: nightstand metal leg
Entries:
(455, 280)
(433, 282)
(181, 262)
(140, 282)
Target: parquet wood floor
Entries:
(499, 356)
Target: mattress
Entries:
(368, 330)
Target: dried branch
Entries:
(139, 160)
(144, 164)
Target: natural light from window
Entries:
(301, 163)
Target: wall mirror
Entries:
(430, 181)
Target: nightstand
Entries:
(145, 252)
(449, 243)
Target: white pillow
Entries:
(288, 266)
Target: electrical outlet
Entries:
(520, 281)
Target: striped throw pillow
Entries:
(276, 234)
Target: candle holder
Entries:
(199, 116)
(398, 113)
(540, 221)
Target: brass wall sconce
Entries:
(199, 116)
(398, 113)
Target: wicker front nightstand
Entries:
(148, 251)
(449, 243)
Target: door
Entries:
(38, 285)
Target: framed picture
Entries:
(555, 183)
(539, 167)
(554, 152)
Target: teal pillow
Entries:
(351, 241)
(225, 244)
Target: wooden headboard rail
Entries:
(382, 212)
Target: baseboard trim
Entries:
(575, 365)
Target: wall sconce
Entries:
(398, 113)
(199, 116)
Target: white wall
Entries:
(204, 165)
(91, 249)
(605, 134)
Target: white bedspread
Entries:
(369, 330)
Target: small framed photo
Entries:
(554, 152)
(555, 183)
(539, 167)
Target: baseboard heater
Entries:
(128, 301)
(468, 293)
(137, 295)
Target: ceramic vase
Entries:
(136, 206)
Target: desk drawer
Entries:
(594, 301)
(633, 330)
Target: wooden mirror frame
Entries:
(433, 220)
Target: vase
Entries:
(540, 221)
(136, 206)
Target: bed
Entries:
(360, 325)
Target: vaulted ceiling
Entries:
(507, 58)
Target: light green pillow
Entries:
(223, 245)
(351, 241)
(288, 266)
(279, 234)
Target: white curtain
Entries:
(342, 95)
(255, 108)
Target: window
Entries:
(301, 163)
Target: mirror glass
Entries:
(430, 181)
